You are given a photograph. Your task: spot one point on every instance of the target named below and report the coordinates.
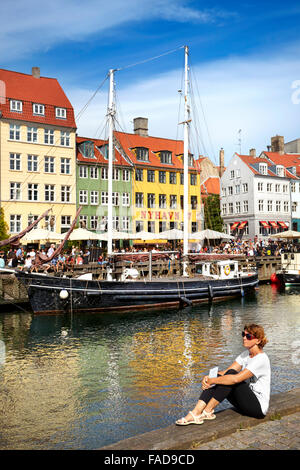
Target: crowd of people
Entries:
(27, 259)
(24, 258)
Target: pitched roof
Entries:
(129, 142)
(29, 90)
(287, 159)
(99, 156)
(251, 161)
(210, 186)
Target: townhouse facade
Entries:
(256, 196)
(158, 181)
(37, 151)
(92, 186)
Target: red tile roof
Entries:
(287, 159)
(99, 157)
(155, 144)
(210, 186)
(250, 161)
(29, 90)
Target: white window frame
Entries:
(83, 197)
(125, 175)
(104, 198)
(15, 161)
(49, 165)
(16, 106)
(94, 172)
(65, 166)
(125, 199)
(33, 192)
(32, 134)
(15, 191)
(32, 163)
(14, 132)
(38, 109)
(15, 223)
(263, 168)
(94, 198)
(49, 136)
(83, 171)
(65, 138)
(49, 192)
(61, 113)
(65, 193)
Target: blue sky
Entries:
(244, 57)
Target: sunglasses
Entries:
(248, 336)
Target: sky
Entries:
(244, 65)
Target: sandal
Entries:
(185, 422)
(208, 416)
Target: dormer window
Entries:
(38, 109)
(263, 168)
(87, 149)
(142, 154)
(279, 170)
(16, 106)
(60, 113)
(166, 157)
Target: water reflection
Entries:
(86, 381)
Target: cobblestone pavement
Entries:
(280, 434)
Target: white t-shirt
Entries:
(260, 382)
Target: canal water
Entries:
(87, 381)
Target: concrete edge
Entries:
(228, 422)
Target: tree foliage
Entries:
(4, 231)
(212, 213)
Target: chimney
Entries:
(221, 162)
(252, 153)
(36, 72)
(140, 126)
(277, 144)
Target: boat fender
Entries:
(242, 292)
(227, 269)
(64, 294)
(210, 291)
(185, 302)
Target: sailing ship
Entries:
(213, 280)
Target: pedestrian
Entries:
(249, 399)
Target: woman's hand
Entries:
(205, 383)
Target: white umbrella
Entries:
(173, 234)
(42, 234)
(83, 234)
(117, 235)
(145, 236)
(209, 235)
(286, 234)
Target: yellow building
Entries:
(158, 181)
(37, 151)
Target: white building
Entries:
(256, 196)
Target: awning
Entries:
(264, 224)
(243, 224)
(283, 224)
(273, 224)
(234, 225)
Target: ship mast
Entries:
(111, 119)
(186, 161)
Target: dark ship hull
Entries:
(49, 294)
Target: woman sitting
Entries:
(250, 399)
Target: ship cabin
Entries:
(226, 269)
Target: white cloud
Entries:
(33, 26)
(253, 94)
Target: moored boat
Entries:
(213, 280)
(289, 273)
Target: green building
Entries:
(92, 186)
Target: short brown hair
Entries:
(258, 332)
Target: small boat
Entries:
(289, 273)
